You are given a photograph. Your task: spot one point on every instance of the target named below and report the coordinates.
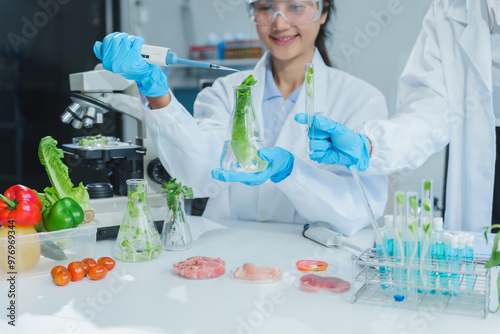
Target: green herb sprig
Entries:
(495, 256)
(174, 189)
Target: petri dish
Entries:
(322, 285)
(199, 267)
(256, 273)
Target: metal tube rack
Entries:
(374, 281)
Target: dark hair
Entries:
(320, 42)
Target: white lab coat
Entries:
(190, 148)
(445, 96)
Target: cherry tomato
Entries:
(77, 271)
(311, 265)
(62, 277)
(97, 272)
(107, 262)
(86, 267)
(91, 262)
(55, 270)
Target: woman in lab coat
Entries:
(449, 92)
(293, 188)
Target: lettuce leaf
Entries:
(50, 156)
(243, 129)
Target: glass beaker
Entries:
(138, 239)
(176, 234)
(244, 137)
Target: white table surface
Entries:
(147, 298)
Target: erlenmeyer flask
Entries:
(138, 239)
(176, 234)
(244, 136)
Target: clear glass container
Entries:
(176, 234)
(309, 84)
(244, 137)
(138, 239)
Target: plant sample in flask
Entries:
(138, 239)
(176, 234)
(240, 152)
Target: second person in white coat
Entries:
(449, 93)
(293, 188)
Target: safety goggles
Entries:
(264, 12)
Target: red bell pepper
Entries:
(21, 204)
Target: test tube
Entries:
(411, 232)
(398, 273)
(426, 219)
(309, 83)
(469, 261)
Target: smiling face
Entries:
(288, 42)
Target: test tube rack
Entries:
(373, 282)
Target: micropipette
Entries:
(164, 56)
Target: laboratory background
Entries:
(49, 74)
(369, 39)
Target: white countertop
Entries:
(147, 298)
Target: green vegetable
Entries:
(93, 141)
(495, 256)
(243, 129)
(64, 214)
(51, 251)
(400, 197)
(173, 189)
(309, 81)
(137, 196)
(50, 156)
(427, 229)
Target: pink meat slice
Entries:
(251, 272)
(197, 267)
(315, 283)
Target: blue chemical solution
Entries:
(432, 276)
(399, 298)
(469, 263)
(442, 264)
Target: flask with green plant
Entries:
(176, 234)
(138, 239)
(240, 151)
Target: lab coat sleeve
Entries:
(189, 148)
(420, 126)
(329, 193)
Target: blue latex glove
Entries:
(121, 53)
(280, 166)
(333, 143)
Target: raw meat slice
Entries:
(251, 272)
(197, 267)
(316, 283)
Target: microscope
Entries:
(94, 93)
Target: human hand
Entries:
(335, 144)
(279, 167)
(121, 53)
